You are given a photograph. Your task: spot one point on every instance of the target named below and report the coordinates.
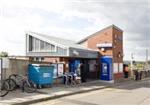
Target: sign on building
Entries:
(100, 45)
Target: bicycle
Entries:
(23, 83)
(4, 88)
(12, 84)
(69, 79)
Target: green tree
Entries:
(3, 54)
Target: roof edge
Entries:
(37, 35)
(83, 40)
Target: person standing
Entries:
(82, 72)
(126, 71)
(136, 75)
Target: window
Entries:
(30, 43)
(41, 45)
(50, 47)
(42, 59)
(120, 38)
(38, 45)
(115, 36)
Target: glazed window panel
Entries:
(42, 45)
(30, 43)
(37, 45)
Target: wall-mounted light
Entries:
(103, 49)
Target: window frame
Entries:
(35, 45)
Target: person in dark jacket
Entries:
(83, 78)
(126, 71)
(136, 75)
(140, 75)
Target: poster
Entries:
(115, 66)
(60, 69)
(92, 64)
(5, 63)
(120, 67)
(55, 71)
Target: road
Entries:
(137, 93)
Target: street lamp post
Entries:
(146, 62)
(131, 64)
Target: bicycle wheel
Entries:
(12, 84)
(4, 88)
(29, 86)
(17, 79)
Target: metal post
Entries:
(131, 61)
(131, 64)
(146, 62)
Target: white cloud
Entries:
(23, 15)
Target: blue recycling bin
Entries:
(40, 74)
(106, 68)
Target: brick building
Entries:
(108, 42)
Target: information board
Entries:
(120, 67)
(115, 66)
(55, 70)
(92, 64)
(60, 70)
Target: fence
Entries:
(20, 66)
(13, 66)
(142, 73)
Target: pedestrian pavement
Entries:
(18, 97)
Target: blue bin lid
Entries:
(39, 65)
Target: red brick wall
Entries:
(52, 60)
(109, 35)
(101, 37)
(118, 45)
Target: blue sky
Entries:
(74, 18)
